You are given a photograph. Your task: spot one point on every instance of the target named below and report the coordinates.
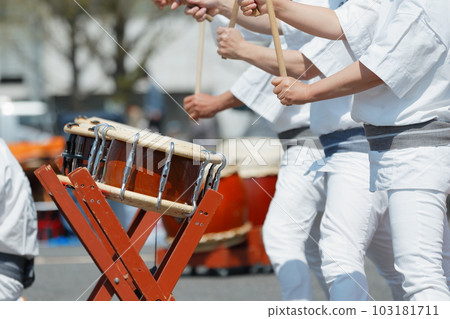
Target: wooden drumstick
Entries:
(256, 12)
(234, 14)
(201, 41)
(233, 18)
(209, 18)
(276, 37)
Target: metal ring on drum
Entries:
(128, 166)
(93, 152)
(100, 154)
(165, 175)
(198, 183)
(81, 148)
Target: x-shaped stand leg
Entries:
(114, 251)
(139, 230)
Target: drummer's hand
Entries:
(230, 43)
(248, 6)
(162, 3)
(177, 3)
(199, 9)
(201, 105)
(290, 91)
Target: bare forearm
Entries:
(227, 100)
(353, 79)
(259, 24)
(201, 105)
(297, 65)
(318, 21)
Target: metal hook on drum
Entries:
(209, 179)
(165, 175)
(128, 166)
(217, 176)
(99, 156)
(94, 147)
(198, 183)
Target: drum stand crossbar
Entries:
(115, 251)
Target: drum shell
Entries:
(146, 172)
(259, 174)
(82, 148)
(231, 214)
(259, 191)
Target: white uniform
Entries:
(354, 217)
(290, 239)
(18, 224)
(409, 52)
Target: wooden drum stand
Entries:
(114, 250)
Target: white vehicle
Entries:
(25, 120)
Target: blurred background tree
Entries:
(120, 35)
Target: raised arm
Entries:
(353, 79)
(233, 46)
(200, 8)
(318, 21)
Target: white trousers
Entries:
(421, 238)
(417, 180)
(353, 218)
(289, 224)
(10, 289)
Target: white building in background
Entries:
(20, 59)
(32, 69)
(30, 64)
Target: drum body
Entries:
(146, 172)
(258, 161)
(138, 167)
(259, 191)
(76, 153)
(230, 223)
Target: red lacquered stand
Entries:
(116, 251)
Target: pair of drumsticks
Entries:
(233, 18)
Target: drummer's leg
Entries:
(381, 251)
(287, 226)
(347, 226)
(313, 253)
(418, 222)
(446, 252)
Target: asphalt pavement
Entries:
(67, 273)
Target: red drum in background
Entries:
(49, 221)
(230, 224)
(260, 191)
(258, 159)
